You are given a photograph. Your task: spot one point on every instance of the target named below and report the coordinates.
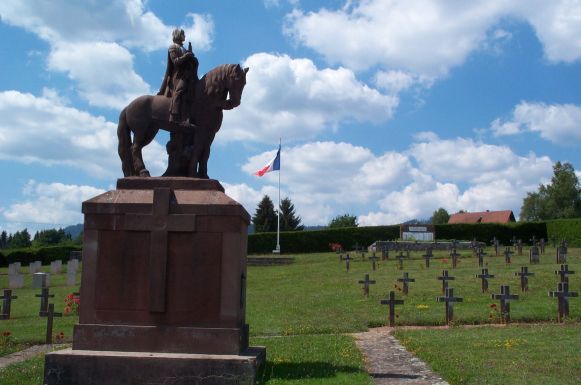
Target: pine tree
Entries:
(264, 219)
(3, 240)
(20, 239)
(440, 216)
(289, 221)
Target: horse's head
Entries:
(235, 84)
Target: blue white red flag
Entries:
(273, 165)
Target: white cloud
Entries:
(40, 130)
(90, 41)
(325, 179)
(292, 98)
(52, 204)
(429, 37)
(558, 123)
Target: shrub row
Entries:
(44, 254)
(485, 232)
(569, 229)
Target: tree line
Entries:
(21, 239)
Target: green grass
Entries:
(515, 355)
(29, 372)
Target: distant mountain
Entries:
(74, 230)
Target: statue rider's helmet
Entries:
(178, 35)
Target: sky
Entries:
(387, 109)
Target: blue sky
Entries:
(387, 109)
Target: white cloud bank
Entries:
(91, 41)
(325, 179)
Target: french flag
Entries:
(273, 165)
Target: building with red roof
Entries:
(504, 216)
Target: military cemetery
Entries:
(429, 148)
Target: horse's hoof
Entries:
(144, 173)
(203, 176)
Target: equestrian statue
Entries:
(191, 109)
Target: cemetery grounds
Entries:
(304, 313)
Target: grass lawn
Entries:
(300, 312)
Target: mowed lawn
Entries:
(303, 313)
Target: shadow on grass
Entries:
(299, 370)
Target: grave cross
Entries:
(50, 314)
(400, 259)
(504, 297)
(428, 255)
(160, 222)
(564, 273)
(384, 252)
(533, 241)
(454, 255)
(507, 254)
(480, 255)
(561, 254)
(563, 294)
(495, 243)
(524, 277)
(534, 255)
(6, 302)
(347, 259)
(44, 296)
(366, 282)
(484, 276)
(449, 299)
(373, 260)
(406, 279)
(542, 244)
(445, 278)
(392, 302)
(519, 247)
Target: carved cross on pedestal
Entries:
(391, 302)
(6, 302)
(524, 278)
(159, 223)
(484, 277)
(445, 278)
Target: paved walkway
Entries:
(389, 363)
(25, 354)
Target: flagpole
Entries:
(278, 211)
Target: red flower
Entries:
(70, 296)
(493, 305)
(445, 260)
(6, 333)
(67, 310)
(77, 301)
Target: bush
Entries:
(569, 229)
(44, 254)
(485, 232)
(319, 240)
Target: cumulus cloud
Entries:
(90, 41)
(52, 204)
(325, 179)
(295, 99)
(428, 37)
(558, 123)
(43, 130)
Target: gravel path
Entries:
(25, 354)
(389, 363)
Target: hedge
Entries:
(44, 254)
(569, 229)
(485, 232)
(319, 240)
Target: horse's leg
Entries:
(204, 156)
(174, 148)
(140, 140)
(124, 147)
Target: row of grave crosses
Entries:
(46, 308)
(562, 293)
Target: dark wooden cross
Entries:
(429, 254)
(449, 299)
(392, 302)
(340, 257)
(366, 282)
(50, 314)
(534, 255)
(400, 259)
(454, 255)
(561, 254)
(513, 241)
(563, 294)
(480, 255)
(484, 276)
(44, 296)
(373, 260)
(504, 298)
(6, 302)
(519, 247)
(159, 223)
(347, 259)
(495, 243)
(542, 244)
(564, 273)
(406, 279)
(384, 253)
(533, 241)
(524, 275)
(507, 254)
(445, 278)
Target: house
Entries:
(504, 216)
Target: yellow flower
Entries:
(422, 306)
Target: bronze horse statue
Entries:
(189, 147)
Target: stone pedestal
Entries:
(164, 274)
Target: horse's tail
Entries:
(124, 148)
